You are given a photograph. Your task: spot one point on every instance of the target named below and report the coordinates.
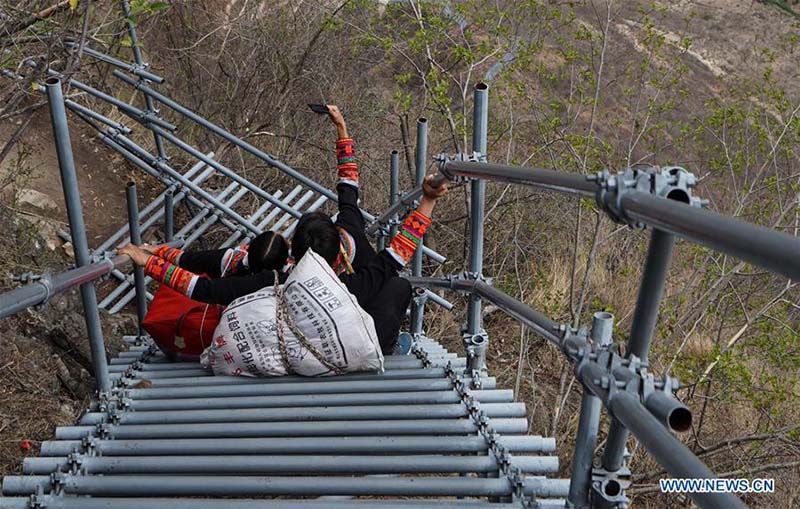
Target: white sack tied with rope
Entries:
(311, 326)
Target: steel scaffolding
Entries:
(433, 429)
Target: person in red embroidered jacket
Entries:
(373, 278)
(182, 270)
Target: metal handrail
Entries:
(646, 422)
(761, 246)
(41, 291)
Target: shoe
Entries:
(403, 344)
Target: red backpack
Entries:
(181, 327)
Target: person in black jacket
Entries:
(373, 278)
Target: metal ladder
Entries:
(411, 437)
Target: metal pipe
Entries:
(392, 374)
(227, 136)
(303, 445)
(248, 148)
(140, 116)
(394, 186)
(673, 414)
(441, 301)
(137, 56)
(188, 241)
(569, 183)
(391, 361)
(134, 153)
(588, 424)
(224, 170)
(72, 198)
(41, 291)
(285, 464)
(157, 203)
(80, 109)
(60, 502)
(137, 52)
(403, 201)
(169, 218)
(174, 485)
(136, 240)
(190, 226)
(274, 212)
(96, 116)
(602, 328)
(536, 321)
(304, 389)
(668, 451)
(294, 429)
(116, 273)
(389, 364)
(131, 68)
(480, 122)
(763, 247)
(475, 339)
(319, 202)
(421, 154)
(375, 412)
(262, 224)
(651, 290)
(285, 401)
(583, 455)
(397, 364)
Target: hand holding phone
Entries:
(320, 109)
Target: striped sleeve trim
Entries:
(234, 260)
(346, 162)
(408, 237)
(171, 254)
(166, 273)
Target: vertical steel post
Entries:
(651, 289)
(72, 198)
(418, 304)
(136, 240)
(475, 338)
(169, 218)
(137, 56)
(394, 191)
(394, 188)
(588, 425)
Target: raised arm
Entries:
(347, 172)
(413, 229)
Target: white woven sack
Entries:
(246, 340)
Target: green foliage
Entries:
(782, 5)
(139, 8)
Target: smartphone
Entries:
(319, 108)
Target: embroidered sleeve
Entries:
(346, 162)
(234, 260)
(171, 254)
(166, 273)
(408, 237)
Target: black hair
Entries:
(316, 231)
(267, 251)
